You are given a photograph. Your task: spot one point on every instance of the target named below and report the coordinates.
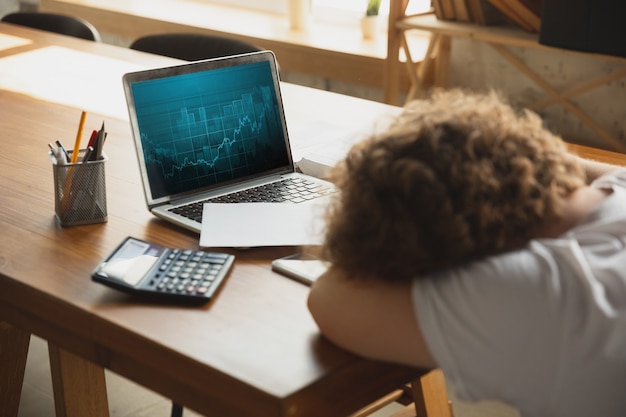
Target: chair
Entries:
(58, 23)
(192, 46)
(428, 398)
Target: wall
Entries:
(477, 66)
(8, 6)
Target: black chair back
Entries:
(192, 46)
(51, 22)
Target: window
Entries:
(356, 8)
(277, 6)
(340, 11)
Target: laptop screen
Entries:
(208, 124)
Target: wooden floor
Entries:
(127, 399)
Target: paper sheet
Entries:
(262, 224)
(318, 146)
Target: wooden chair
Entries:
(57, 23)
(192, 46)
(429, 398)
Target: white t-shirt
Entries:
(543, 328)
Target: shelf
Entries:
(437, 61)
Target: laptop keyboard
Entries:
(291, 190)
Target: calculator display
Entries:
(132, 261)
(133, 248)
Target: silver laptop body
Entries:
(206, 129)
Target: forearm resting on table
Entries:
(371, 318)
(594, 169)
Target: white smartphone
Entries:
(300, 268)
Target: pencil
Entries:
(79, 134)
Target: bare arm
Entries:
(370, 318)
(594, 169)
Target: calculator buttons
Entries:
(191, 273)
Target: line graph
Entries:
(200, 141)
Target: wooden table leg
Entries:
(430, 395)
(419, 72)
(436, 61)
(13, 352)
(79, 386)
(391, 85)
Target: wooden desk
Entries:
(252, 351)
(500, 38)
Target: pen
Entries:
(92, 139)
(79, 134)
(58, 155)
(99, 143)
(62, 148)
(88, 153)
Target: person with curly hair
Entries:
(467, 237)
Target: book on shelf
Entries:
(518, 14)
(528, 10)
(535, 6)
(461, 10)
(484, 13)
(524, 13)
(447, 9)
(436, 6)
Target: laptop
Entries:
(214, 131)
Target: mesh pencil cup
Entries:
(79, 191)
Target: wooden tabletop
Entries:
(253, 350)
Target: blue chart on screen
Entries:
(208, 127)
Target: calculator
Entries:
(145, 268)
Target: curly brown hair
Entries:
(456, 177)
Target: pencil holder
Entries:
(79, 191)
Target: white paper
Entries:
(324, 139)
(318, 146)
(262, 224)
